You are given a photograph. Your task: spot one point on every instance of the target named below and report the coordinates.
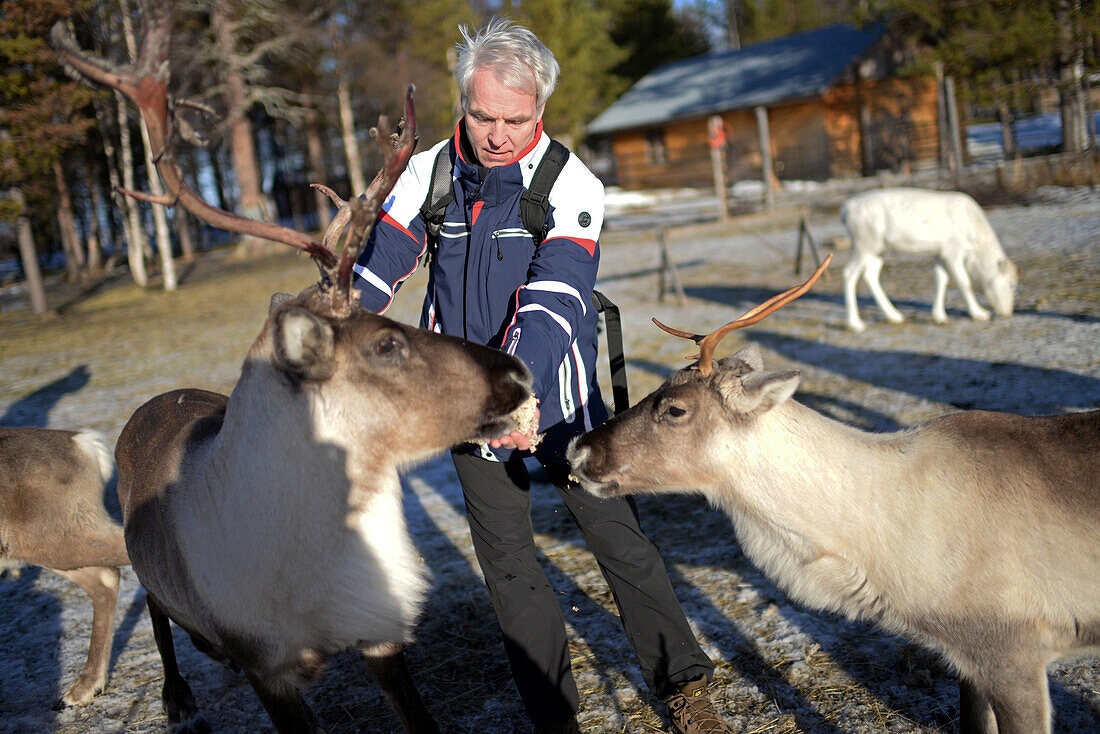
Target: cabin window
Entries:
(655, 143)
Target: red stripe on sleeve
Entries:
(394, 223)
(588, 245)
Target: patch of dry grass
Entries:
(130, 343)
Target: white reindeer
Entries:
(268, 524)
(976, 534)
(948, 224)
(52, 515)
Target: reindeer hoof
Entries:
(79, 693)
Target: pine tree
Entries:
(43, 115)
(777, 18)
(577, 32)
(430, 46)
(1008, 52)
(652, 34)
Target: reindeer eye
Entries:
(671, 410)
(389, 346)
(386, 345)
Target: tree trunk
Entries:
(315, 153)
(70, 243)
(160, 218)
(181, 221)
(1071, 79)
(182, 225)
(135, 233)
(351, 144)
(104, 121)
(36, 290)
(95, 202)
(196, 240)
(734, 13)
(251, 203)
(1008, 134)
(219, 180)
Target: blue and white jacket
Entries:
(490, 284)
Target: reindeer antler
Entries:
(707, 342)
(145, 83)
(359, 214)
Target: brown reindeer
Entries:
(268, 524)
(52, 515)
(976, 534)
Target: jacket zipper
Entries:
(506, 232)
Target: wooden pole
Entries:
(716, 140)
(805, 236)
(765, 156)
(953, 125)
(668, 272)
(941, 119)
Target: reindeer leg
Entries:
(975, 712)
(871, 273)
(1019, 696)
(958, 271)
(101, 584)
(852, 270)
(939, 303)
(388, 666)
(283, 703)
(179, 703)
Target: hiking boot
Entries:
(691, 710)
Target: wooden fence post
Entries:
(768, 174)
(805, 236)
(668, 272)
(716, 141)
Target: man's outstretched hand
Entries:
(525, 438)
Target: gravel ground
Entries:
(781, 667)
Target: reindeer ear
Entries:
(277, 299)
(758, 392)
(304, 344)
(750, 355)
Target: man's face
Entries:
(500, 121)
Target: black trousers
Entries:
(498, 507)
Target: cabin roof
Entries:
(799, 66)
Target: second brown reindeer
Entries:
(975, 534)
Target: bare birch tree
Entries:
(160, 217)
(28, 254)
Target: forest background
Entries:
(283, 94)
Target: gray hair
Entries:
(517, 57)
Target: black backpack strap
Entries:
(615, 356)
(440, 193)
(535, 202)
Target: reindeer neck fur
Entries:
(794, 510)
(315, 525)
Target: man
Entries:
(492, 283)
